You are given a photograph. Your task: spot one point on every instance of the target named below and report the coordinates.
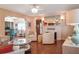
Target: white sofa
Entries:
(69, 47)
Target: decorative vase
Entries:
(75, 39)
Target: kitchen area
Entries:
(50, 29)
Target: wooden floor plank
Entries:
(38, 48)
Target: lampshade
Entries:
(62, 17)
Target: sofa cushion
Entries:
(6, 48)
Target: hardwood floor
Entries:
(38, 48)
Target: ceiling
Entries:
(48, 9)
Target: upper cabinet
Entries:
(72, 16)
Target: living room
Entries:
(35, 28)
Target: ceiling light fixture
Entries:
(34, 10)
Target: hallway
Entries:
(38, 48)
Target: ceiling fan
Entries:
(35, 9)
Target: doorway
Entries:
(38, 29)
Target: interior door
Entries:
(38, 27)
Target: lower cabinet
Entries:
(48, 38)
